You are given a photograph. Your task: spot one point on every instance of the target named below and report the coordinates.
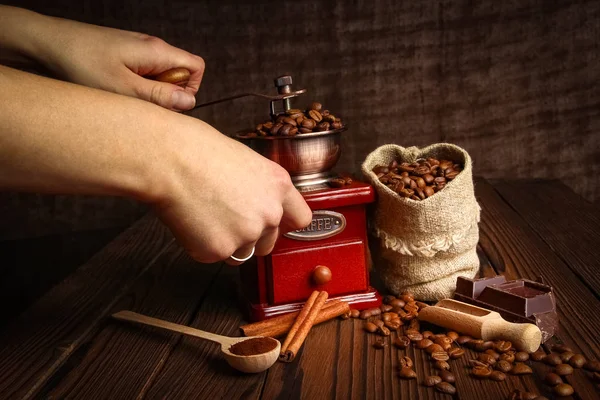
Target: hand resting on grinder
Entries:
(217, 196)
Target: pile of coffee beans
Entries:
(296, 122)
(494, 359)
(418, 180)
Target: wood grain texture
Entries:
(571, 229)
(195, 368)
(171, 290)
(41, 340)
(513, 82)
(517, 251)
(145, 271)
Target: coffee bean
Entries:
(561, 348)
(322, 126)
(423, 343)
(364, 314)
(427, 335)
(440, 356)
(397, 303)
(407, 373)
(384, 331)
(455, 353)
(563, 390)
(566, 356)
(401, 342)
(552, 379)
(503, 366)
(444, 341)
(508, 356)
(422, 179)
(290, 121)
(487, 359)
(414, 325)
(442, 365)
(577, 361)
(477, 345)
(370, 327)
(481, 372)
(521, 356)
(552, 359)
(309, 123)
(502, 346)
(405, 361)
(520, 395)
(521, 369)
(593, 366)
(379, 343)
(394, 324)
(434, 348)
(447, 376)
(538, 355)
(462, 340)
(414, 336)
(445, 387)
(315, 115)
(476, 363)
(305, 130)
(388, 298)
(493, 354)
(497, 376)
(432, 380)
(379, 323)
(563, 369)
(354, 313)
(325, 113)
(315, 106)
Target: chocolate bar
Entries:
(519, 301)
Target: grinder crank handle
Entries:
(525, 337)
(180, 77)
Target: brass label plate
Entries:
(324, 224)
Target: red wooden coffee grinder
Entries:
(331, 253)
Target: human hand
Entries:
(224, 199)
(110, 59)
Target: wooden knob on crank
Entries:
(321, 275)
(176, 76)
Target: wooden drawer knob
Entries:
(321, 275)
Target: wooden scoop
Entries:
(481, 323)
(250, 364)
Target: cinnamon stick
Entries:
(279, 326)
(302, 326)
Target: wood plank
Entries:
(566, 222)
(31, 267)
(122, 360)
(515, 249)
(195, 368)
(40, 341)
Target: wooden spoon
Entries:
(250, 364)
(481, 323)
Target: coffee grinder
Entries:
(331, 253)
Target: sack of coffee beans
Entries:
(425, 220)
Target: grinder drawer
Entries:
(292, 272)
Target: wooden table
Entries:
(67, 346)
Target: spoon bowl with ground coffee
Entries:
(251, 354)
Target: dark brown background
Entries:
(513, 82)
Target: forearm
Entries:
(21, 35)
(58, 137)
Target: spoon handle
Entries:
(170, 326)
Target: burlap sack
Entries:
(423, 246)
